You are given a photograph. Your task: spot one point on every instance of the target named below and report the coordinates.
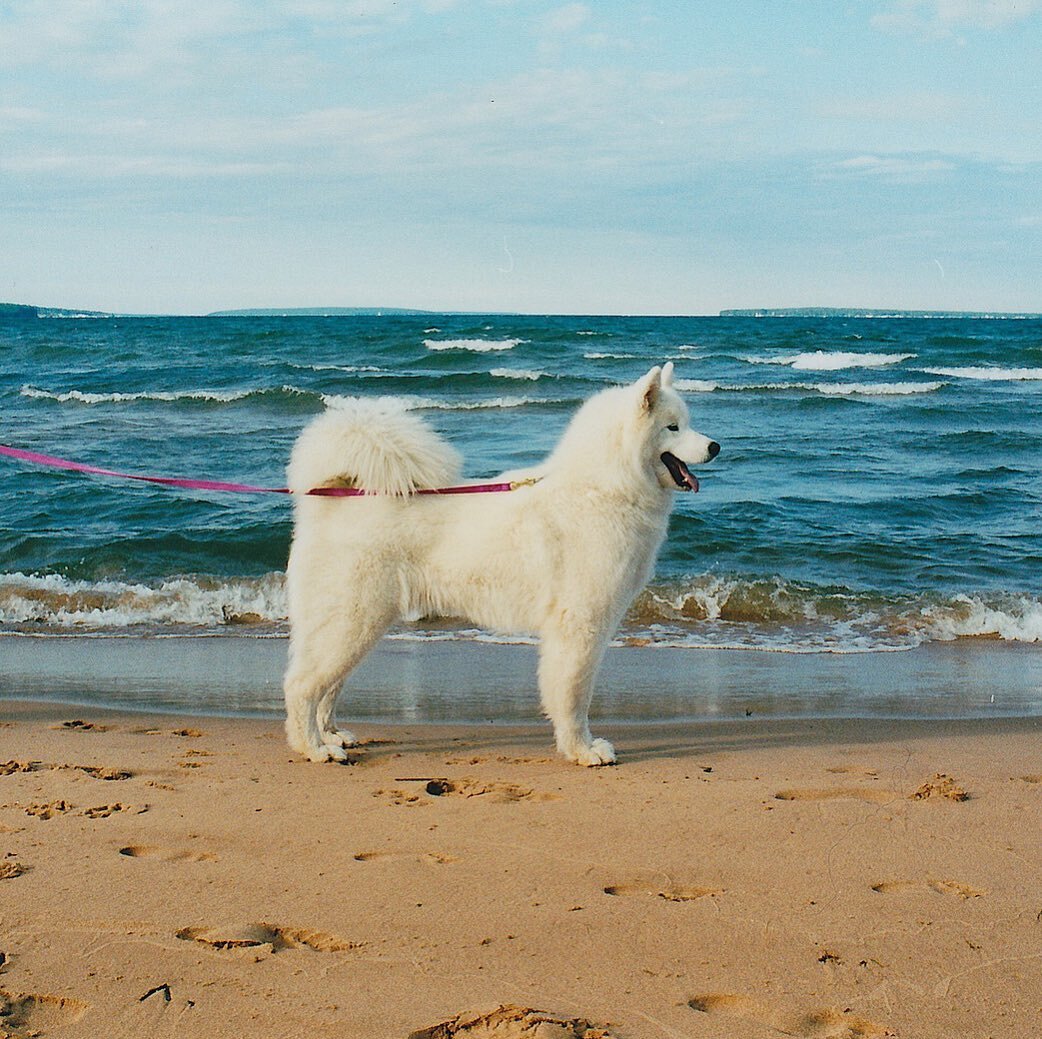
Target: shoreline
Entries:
(727, 880)
(455, 681)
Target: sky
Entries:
(183, 156)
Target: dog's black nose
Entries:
(714, 449)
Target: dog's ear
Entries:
(667, 374)
(649, 387)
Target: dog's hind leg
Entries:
(568, 662)
(319, 660)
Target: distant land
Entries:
(18, 312)
(868, 312)
(24, 312)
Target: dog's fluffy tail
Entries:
(373, 444)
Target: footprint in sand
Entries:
(429, 858)
(144, 851)
(7, 768)
(512, 1022)
(817, 1024)
(940, 887)
(940, 785)
(839, 793)
(260, 936)
(79, 725)
(668, 892)
(438, 788)
(104, 811)
(49, 810)
(24, 1014)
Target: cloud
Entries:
(896, 169)
(565, 19)
(894, 108)
(943, 18)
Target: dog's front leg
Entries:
(569, 656)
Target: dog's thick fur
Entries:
(562, 558)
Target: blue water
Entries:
(879, 484)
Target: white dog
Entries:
(561, 557)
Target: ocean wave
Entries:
(696, 385)
(849, 389)
(480, 346)
(989, 374)
(348, 369)
(517, 373)
(773, 613)
(160, 396)
(53, 601)
(832, 360)
(883, 389)
(413, 403)
(706, 611)
(594, 356)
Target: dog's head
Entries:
(671, 445)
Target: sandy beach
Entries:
(168, 876)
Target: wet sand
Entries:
(164, 875)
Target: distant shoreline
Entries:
(19, 312)
(859, 312)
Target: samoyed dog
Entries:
(560, 556)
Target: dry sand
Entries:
(165, 876)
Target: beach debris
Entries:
(943, 786)
(512, 1022)
(164, 988)
(8, 871)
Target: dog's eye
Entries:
(674, 428)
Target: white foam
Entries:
(480, 346)
(413, 403)
(516, 373)
(695, 385)
(882, 389)
(58, 601)
(83, 397)
(849, 389)
(609, 357)
(832, 361)
(1017, 620)
(989, 374)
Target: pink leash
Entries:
(240, 488)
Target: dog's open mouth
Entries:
(682, 476)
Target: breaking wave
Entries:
(413, 403)
(848, 389)
(480, 346)
(517, 373)
(832, 360)
(169, 397)
(709, 611)
(989, 374)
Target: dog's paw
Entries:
(326, 752)
(339, 738)
(599, 752)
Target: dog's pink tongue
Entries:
(690, 479)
